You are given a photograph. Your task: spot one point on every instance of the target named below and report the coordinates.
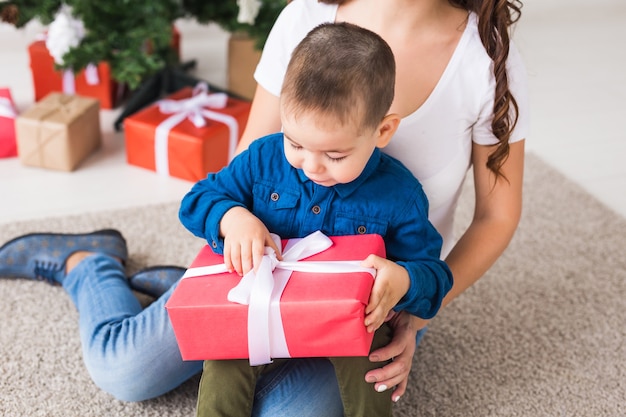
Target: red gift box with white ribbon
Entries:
(187, 135)
(94, 81)
(310, 304)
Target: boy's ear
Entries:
(386, 129)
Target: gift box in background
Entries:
(59, 131)
(47, 80)
(8, 113)
(322, 313)
(243, 58)
(95, 81)
(167, 140)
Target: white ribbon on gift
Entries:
(194, 109)
(69, 81)
(7, 109)
(262, 290)
(91, 74)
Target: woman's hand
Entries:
(401, 350)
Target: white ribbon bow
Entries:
(262, 290)
(194, 109)
(7, 109)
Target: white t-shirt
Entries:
(434, 142)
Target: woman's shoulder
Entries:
(475, 55)
(476, 74)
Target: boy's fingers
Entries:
(374, 302)
(391, 314)
(258, 251)
(270, 242)
(370, 262)
(237, 262)
(374, 320)
(227, 260)
(235, 259)
(246, 260)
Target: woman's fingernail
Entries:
(381, 388)
(396, 398)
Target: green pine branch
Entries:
(134, 36)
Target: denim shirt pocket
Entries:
(351, 224)
(275, 206)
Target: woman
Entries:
(461, 90)
(458, 80)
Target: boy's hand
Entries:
(245, 239)
(391, 283)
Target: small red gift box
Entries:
(8, 113)
(188, 135)
(98, 84)
(321, 313)
(46, 79)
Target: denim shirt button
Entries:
(316, 209)
(214, 244)
(274, 197)
(361, 230)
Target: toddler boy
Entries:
(326, 172)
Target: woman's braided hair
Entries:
(494, 20)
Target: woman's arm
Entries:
(496, 216)
(264, 118)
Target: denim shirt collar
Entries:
(344, 190)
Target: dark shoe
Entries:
(42, 256)
(156, 280)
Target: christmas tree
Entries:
(134, 37)
(254, 18)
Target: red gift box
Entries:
(187, 135)
(8, 113)
(46, 79)
(322, 313)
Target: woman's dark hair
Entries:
(494, 20)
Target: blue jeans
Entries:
(132, 353)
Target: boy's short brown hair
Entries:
(342, 70)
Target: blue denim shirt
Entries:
(386, 199)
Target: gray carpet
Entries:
(542, 334)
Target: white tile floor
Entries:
(576, 62)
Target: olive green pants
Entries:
(227, 386)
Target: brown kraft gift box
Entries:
(59, 131)
(242, 61)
